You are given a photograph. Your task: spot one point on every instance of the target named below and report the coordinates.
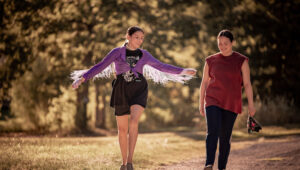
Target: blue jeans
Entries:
(219, 127)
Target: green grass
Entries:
(152, 150)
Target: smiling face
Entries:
(225, 45)
(135, 40)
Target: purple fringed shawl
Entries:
(149, 66)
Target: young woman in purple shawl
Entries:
(130, 88)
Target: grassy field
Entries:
(153, 149)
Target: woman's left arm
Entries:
(168, 68)
(248, 87)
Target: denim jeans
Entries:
(219, 127)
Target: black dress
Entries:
(127, 88)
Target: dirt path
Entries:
(261, 154)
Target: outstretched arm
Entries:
(106, 61)
(203, 87)
(248, 87)
(168, 68)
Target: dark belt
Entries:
(136, 79)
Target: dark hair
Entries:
(226, 33)
(133, 29)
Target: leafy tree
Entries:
(18, 23)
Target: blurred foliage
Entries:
(43, 41)
(278, 111)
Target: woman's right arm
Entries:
(106, 61)
(203, 87)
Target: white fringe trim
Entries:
(106, 73)
(148, 71)
(162, 77)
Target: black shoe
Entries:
(208, 167)
(123, 167)
(129, 166)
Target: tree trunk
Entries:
(100, 112)
(103, 124)
(5, 101)
(81, 114)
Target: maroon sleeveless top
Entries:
(225, 86)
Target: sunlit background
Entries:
(43, 41)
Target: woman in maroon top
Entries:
(224, 75)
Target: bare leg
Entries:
(135, 114)
(122, 122)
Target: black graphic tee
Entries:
(132, 57)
